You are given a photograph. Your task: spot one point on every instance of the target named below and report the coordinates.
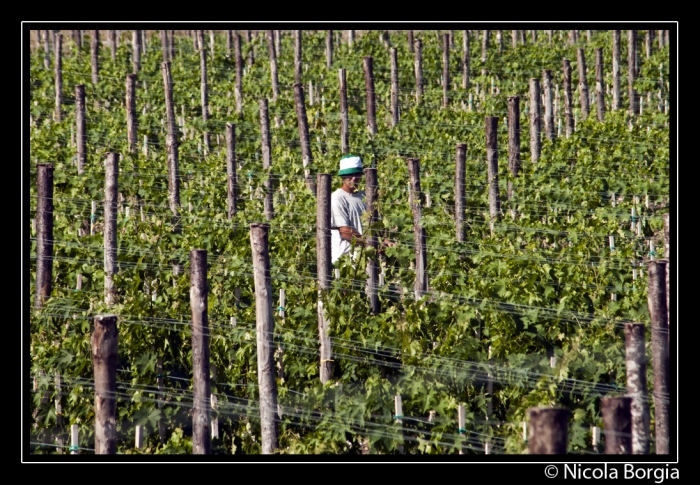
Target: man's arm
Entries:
(351, 235)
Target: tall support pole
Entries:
(47, 50)
(513, 140)
(599, 83)
(635, 361)
(171, 46)
(105, 342)
(445, 69)
(409, 34)
(201, 409)
(370, 95)
(616, 101)
(568, 100)
(297, 56)
(420, 286)
(266, 157)
(264, 326)
(229, 43)
(171, 144)
(110, 226)
(80, 135)
(205, 96)
(58, 75)
(465, 60)
(492, 165)
(344, 122)
(418, 68)
(329, 49)
(164, 45)
(94, 55)
(617, 419)
(44, 233)
(273, 65)
(656, 296)
(231, 177)
(667, 256)
(535, 138)
(112, 35)
(238, 91)
(304, 139)
(583, 83)
(548, 105)
(548, 431)
(632, 71)
(372, 189)
(394, 87)
(323, 264)
(131, 115)
(460, 196)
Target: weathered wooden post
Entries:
(110, 226)
(329, 48)
(304, 139)
(164, 45)
(58, 75)
(112, 39)
(266, 158)
(656, 296)
(492, 165)
(80, 135)
(44, 233)
(273, 65)
(617, 419)
(238, 91)
(205, 97)
(599, 83)
(231, 177)
(514, 37)
(171, 144)
(74, 439)
(632, 71)
(105, 342)
(535, 138)
(465, 60)
(351, 37)
(548, 431)
(323, 264)
(548, 106)
(136, 50)
(171, 46)
(131, 114)
(635, 361)
(460, 196)
(344, 124)
(513, 140)
(484, 48)
(410, 41)
(394, 87)
(201, 409)
(445, 69)
(568, 100)
(667, 256)
(583, 84)
(616, 103)
(94, 55)
(297, 56)
(372, 189)
(398, 419)
(370, 95)
(418, 68)
(420, 286)
(229, 43)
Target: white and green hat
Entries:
(350, 165)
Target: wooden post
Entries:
(297, 56)
(323, 263)
(171, 144)
(514, 138)
(568, 100)
(344, 125)
(44, 233)
(632, 70)
(515, 37)
(136, 50)
(94, 55)
(492, 165)
(418, 68)
(461, 422)
(329, 48)
(59, 413)
(104, 342)
(160, 401)
(229, 43)
(231, 177)
(372, 188)
(548, 106)
(370, 95)
(617, 419)
(667, 257)
(583, 84)
(535, 139)
(420, 286)
(445, 69)
(211, 43)
(171, 46)
(460, 196)
(394, 87)
(267, 385)
(266, 158)
(131, 115)
(398, 419)
(548, 431)
(47, 50)
(199, 292)
(409, 34)
(112, 40)
(238, 92)
(273, 64)
(616, 103)
(599, 83)
(635, 361)
(351, 37)
(58, 71)
(304, 139)
(74, 439)
(205, 97)
(110, 226)
(138, 441)
(660, 353)
(465, 60)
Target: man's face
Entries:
(353, 181)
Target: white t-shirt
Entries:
(346, 210)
